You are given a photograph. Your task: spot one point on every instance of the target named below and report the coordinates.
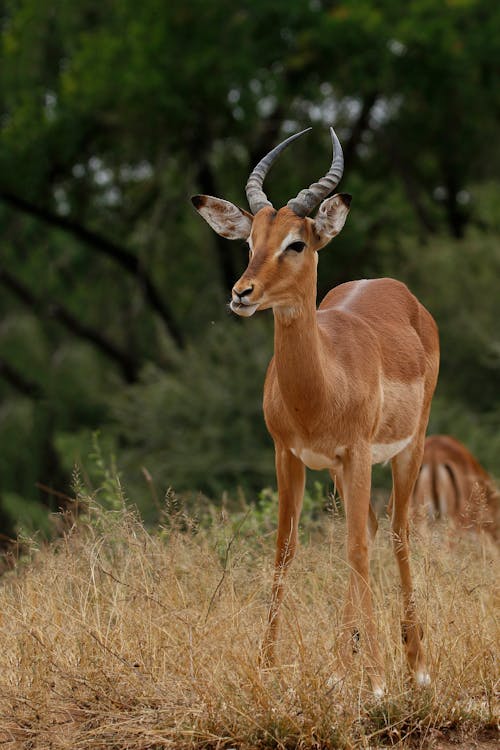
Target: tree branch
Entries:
(358, 128)
(127, 364)
(456, 216)
(18, 381)
(425, 223)
(127, 260)
(225, 249)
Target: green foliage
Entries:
(112, 310)
(110, 491)
(27, 517)
(201, 426)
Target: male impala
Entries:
(350, 385)
(453, 484)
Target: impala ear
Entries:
(224, 217)
(331, 217)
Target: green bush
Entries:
(200, 427)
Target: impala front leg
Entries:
(290, 472)
(405, 467)
(358, 617)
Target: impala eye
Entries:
(297, 247)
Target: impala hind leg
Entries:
(290, 472)
(405, 468)
(358, 615)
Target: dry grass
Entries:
(118, 638)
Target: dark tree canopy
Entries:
(113, 304)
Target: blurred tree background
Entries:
(113, 314)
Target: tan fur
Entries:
(452, 483)
(348, 383)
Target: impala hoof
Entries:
(378, 693)
(423, 679)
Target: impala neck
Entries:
(299, 361)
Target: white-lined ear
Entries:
(331, 216)
(224, 217)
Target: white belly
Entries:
(382, 452)
(316, 461)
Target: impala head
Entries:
(282, 243)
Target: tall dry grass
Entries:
(115, 637)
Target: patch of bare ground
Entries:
(490, 741)
(117, 638)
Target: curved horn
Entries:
(257, 198)
(307, 199)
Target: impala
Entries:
(350, 385)
(453, 484)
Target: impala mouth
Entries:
(244, 309)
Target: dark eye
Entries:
(297, 247)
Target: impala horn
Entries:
(307, 199)
(256, 197)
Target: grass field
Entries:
(118, 637)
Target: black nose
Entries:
(245, 292)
